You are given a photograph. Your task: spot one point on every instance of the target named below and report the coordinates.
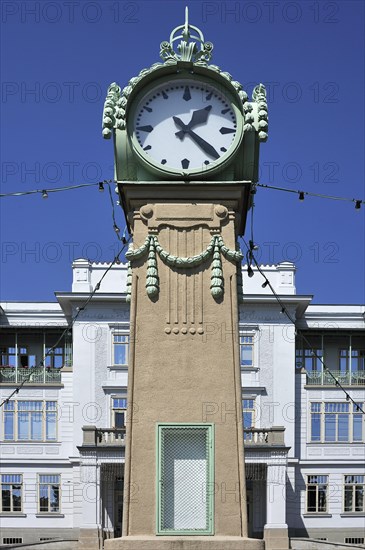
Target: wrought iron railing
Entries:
(345, 378)
(32, 375)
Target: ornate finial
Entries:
(187, 49)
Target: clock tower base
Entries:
(184, 481)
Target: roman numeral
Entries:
(187, 95)
(145, 128)
(185, 163)
(147, 148)
(164, 95)
(225, 111)
(224, 130)
(148, 109)
(209, 96)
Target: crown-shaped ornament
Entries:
(192, 46)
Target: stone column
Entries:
(276, 528)
(90, 482)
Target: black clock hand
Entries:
(185, 129)
(207, 148)
(199, 117)
(180, 123)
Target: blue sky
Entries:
(58, 59)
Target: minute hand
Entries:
(207, 148)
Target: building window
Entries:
(11, 492)
(119, 412)
(120, 349)
(317, 489)
(354, 488)
(49, 493)
(248, 417)
(25, 359)
(316, 421)
(246, 351)
(30, 421)
(7, 357)
(336, 422)
(357, 360)
(248, 406)
(310, 359)
(185, 462)
(55, 359)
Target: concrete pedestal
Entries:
(184, 543)
(276, 538)
(88, 539)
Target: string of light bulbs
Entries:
(301, 194)
(45, 191)
(251, 259)
(70, 325)
(100, 185)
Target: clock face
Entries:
(185, 126)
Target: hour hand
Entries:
(199, 117)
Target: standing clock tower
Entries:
(186, 141)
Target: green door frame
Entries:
(210, 479)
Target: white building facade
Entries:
(63, 433)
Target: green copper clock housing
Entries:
(185, 138)
(162, 133)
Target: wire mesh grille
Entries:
(185, 469)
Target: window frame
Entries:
(49, 485)
(354, 485)
(358, 357)
(210, 494)
(247, 437)
(5, 352)
(317, 485)
(352, 415)
(303, 356)
(45, 414)
(114, 409)
(120, 333)
(49, 361)
(253, 335)
(11, 511)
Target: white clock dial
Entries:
(185, 125)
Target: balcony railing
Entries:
(111, 437)
(32, 375)
(103, 437)
(264, 436)
(317, 378)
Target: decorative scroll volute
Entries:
(184, 216)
